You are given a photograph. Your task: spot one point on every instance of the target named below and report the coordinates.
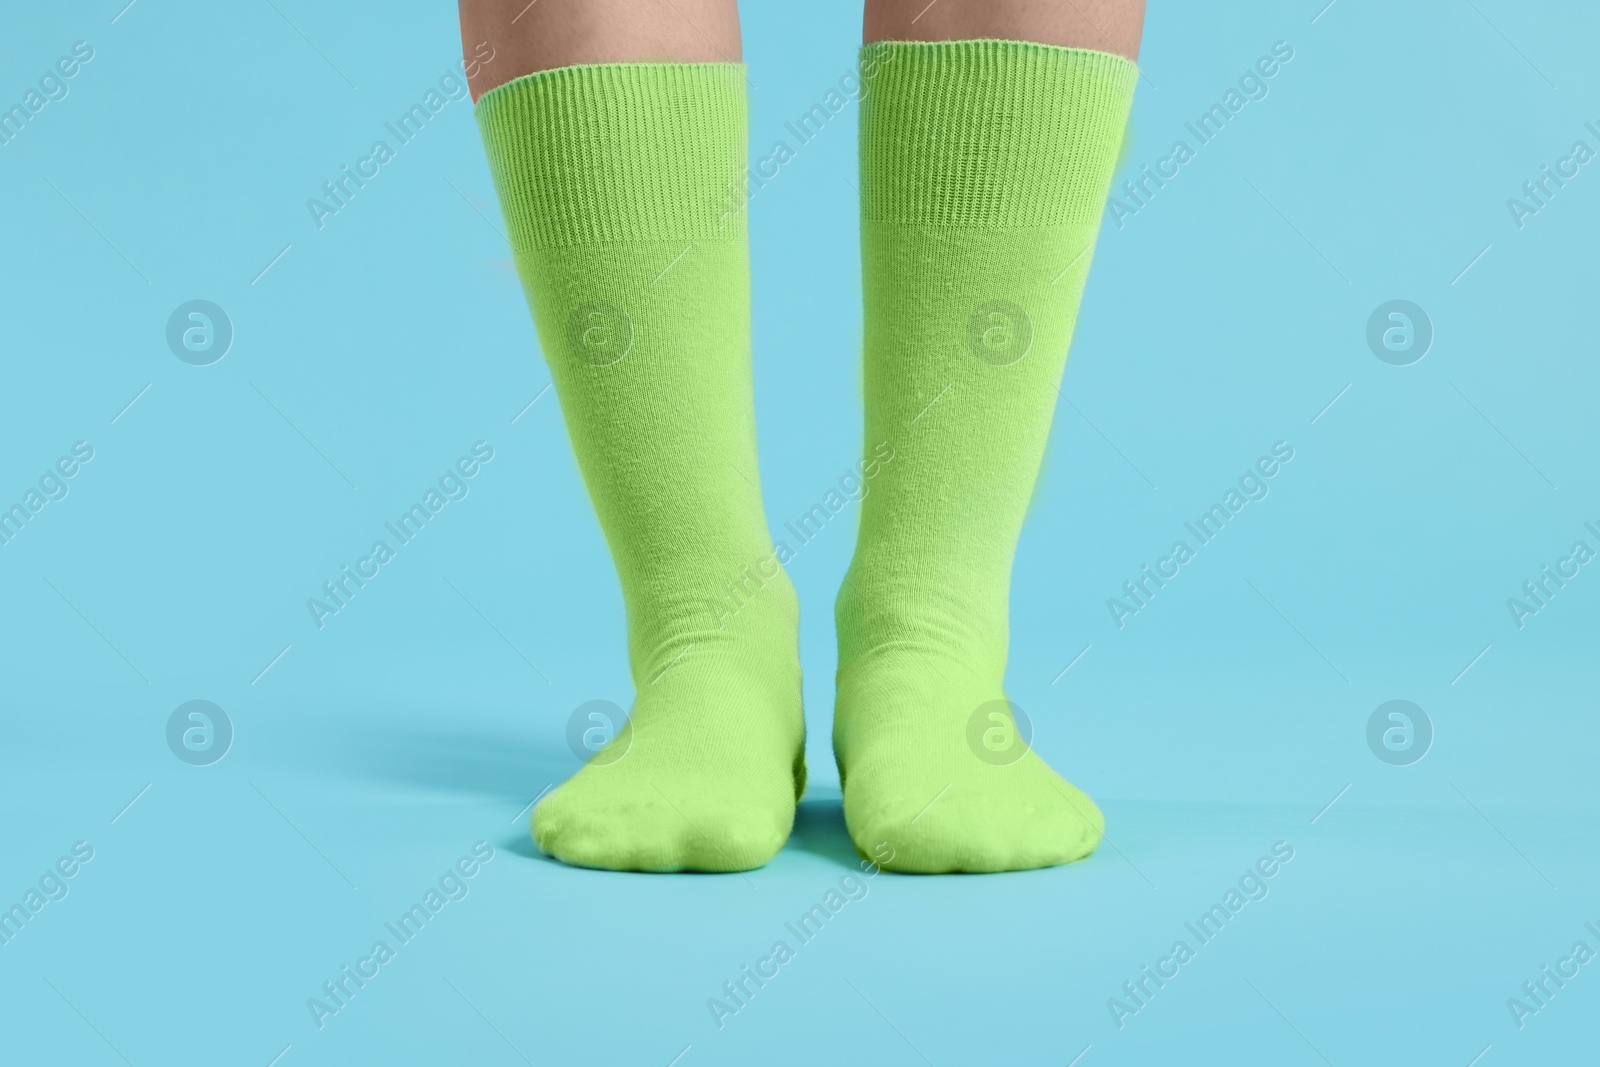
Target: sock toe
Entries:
(650, 822)
(985, 822)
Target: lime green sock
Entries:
(614, 181)
(984, 170)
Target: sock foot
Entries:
(938, 776)
(704, 777)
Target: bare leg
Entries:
(545, 34)
(1104, 25)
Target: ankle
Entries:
(744, 610)
(918, 618)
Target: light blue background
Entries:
(1223, 317)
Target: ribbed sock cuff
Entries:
(990, 133)
(618, 152)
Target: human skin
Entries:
(545, 34)
(1104, 25)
